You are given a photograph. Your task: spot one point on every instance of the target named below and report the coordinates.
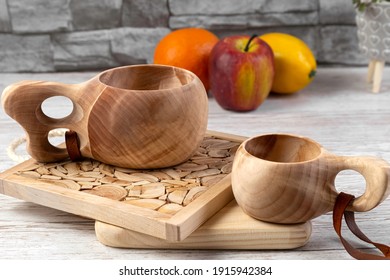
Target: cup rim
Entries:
(306, 139)
(175, 68)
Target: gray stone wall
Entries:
(72, 35)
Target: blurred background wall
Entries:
(77, 35)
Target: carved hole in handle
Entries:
(56, 137)
(57, 107)
(351, 182)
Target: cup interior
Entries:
(146, 77)
(283, 148)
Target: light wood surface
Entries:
(139, 116)
(337, 110)
(230, 228)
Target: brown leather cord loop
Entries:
(339, 210)
(350, 219)
(72, 145)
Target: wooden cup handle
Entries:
(376, 173)
(22, 101)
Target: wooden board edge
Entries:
(215, 233)
(117, 237)
(205, 206)
(95, 207)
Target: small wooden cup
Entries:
(289, 179)
(140, 116)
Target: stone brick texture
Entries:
(78, 35)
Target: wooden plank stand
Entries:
(229, 229)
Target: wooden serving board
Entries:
(90, 189)
(230, 228)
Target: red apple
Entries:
(241, 70)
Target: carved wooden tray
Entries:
(166, 203)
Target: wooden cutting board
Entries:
(90, 189)
(230, 228)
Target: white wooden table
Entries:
(338, 110)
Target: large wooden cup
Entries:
(285, 178)
(140, 116)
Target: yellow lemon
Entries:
(295, 64)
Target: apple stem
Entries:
(249, 42)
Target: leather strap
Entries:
(339, 210)
(73, 145)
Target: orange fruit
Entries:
(295, 64)
(188, 48)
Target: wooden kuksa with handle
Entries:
(290, 179)
(140, 116)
